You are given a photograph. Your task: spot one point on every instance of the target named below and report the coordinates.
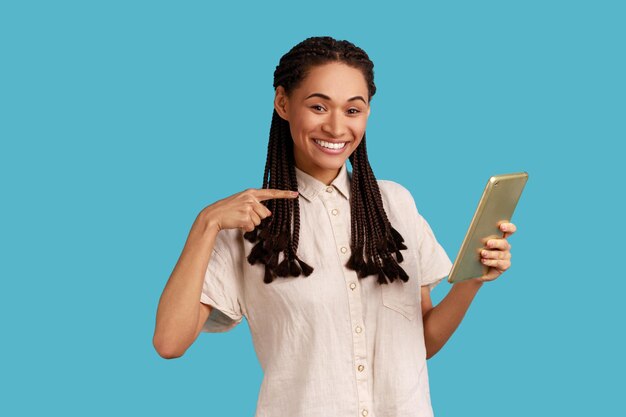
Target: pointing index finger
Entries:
(268, 193)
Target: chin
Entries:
(335, 162)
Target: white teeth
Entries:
(330, 145)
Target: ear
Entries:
(280, 102)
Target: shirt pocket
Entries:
(404, 297)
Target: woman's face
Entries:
(327, 116)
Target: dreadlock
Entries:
(373, 240)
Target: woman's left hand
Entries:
(497, 254)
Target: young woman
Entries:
(332, 269)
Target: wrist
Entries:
(478, 280)
(208, 222)
(471, 282)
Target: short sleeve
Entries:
(222, 287)
(434, 262)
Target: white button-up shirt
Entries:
(332, 344)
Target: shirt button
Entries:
(335, 212)
(352, 285)
(344, 249)
(360, 368)
(364, 412)
(329, 189)
(358, 329)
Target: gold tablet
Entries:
(496, 206)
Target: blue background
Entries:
(120, 121)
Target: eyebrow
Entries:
(325, 97)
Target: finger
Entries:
(491, 275)
(495, 254)
(498, 244)
(248, 226)
(256, 219)
(501, 265)
(508, 229)
(268, 193)
(262, 211)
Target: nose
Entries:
(333, 125)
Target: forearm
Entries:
(179, 305)
(441, 321)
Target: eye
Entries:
(317, 106)
(355, 111)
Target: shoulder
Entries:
(396, 195)
(229, 244)
(399, 205)
(393, 188)
(401, 210)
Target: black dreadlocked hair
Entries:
(373, 239)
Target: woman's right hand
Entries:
(244, 209)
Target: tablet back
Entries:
(496, 206)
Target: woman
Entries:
(334, 280)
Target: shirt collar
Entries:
(309, 187)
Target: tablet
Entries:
(496, 206)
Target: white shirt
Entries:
(332, 344)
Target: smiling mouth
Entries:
(330, 145)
